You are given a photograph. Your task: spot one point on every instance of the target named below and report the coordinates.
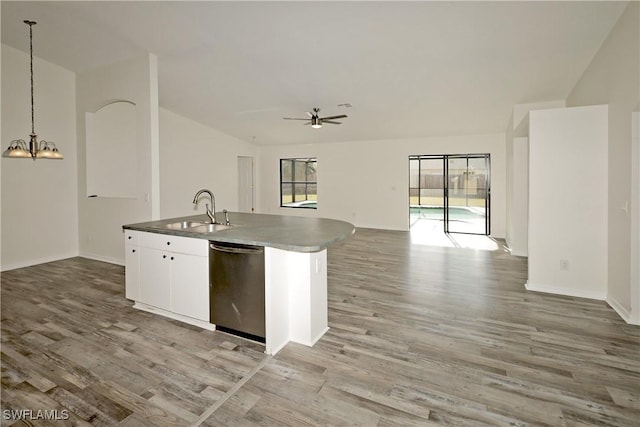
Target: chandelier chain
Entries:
(33, 126)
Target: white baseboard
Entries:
(597, 295)
(626, 315)
(320, 335)
(274, 351)
(622, 312)
(32, 262)
(311, 341)
(175, 316)
(102, 258)
(517, 252)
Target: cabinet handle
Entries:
(134, 251)
(164, 256)
(168, 243)
(129, 237)
(171, 258)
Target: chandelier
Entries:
(34, 149)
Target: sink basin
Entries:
(210, 228)
(194, 226)
(182, 225)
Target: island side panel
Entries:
(319, 299)
(296, 297)
(308, 296)
(276, 297)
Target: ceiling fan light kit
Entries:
(18, 148)
(316, 121)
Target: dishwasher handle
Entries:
(237, 249)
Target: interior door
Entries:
(467, 194)
(245, 184)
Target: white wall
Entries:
(612, 78)
(39, 199)
(517, 174)
(509, 219)
(193, 156)
(367, 182)
(521, 113)
(520, 197)
(567, 194)
(101, 218)
(1, 148)
(634, 315)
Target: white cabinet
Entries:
(170, 273)
(155, 283)
(190, 286)
(132, 265)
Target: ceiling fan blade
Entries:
(309, 114)
(342, 116)
(292, 118)
(329, 121)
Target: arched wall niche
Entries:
(112, 150)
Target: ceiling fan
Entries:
(316, 121)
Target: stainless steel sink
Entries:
(195, 226)
(210, 228)
(182, 225)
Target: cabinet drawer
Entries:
(131, 237)
(178, 244)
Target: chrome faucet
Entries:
(210, 213)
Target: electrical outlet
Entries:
(564, 265)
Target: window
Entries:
(298, 183)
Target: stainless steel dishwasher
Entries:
(236, 289)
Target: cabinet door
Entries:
(154, 278)
(190, 285)
(132, 272)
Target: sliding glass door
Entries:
(467, 194)
(452, 189)
(426, 189)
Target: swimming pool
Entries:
(455, 213)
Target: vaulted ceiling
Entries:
(409, 69)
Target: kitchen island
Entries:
(167, 269)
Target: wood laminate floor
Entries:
(420, 335)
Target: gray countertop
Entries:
(289, 233)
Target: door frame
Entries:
(246, 164)
(487, 216)
(445, 172)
